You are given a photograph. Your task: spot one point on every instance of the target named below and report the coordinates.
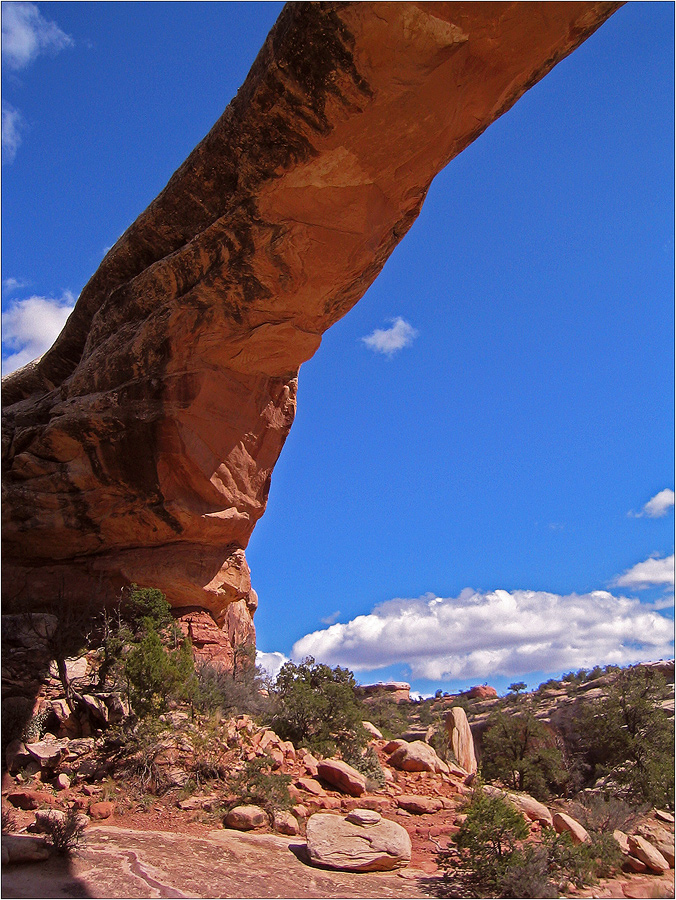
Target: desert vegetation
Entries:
(152, 722)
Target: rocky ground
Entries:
(178, 843)
(158, 813)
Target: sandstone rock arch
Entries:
(141, 446)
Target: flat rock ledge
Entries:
(341, 843)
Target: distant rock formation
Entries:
(140, 447)
(399, 691)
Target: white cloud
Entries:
(657, 506)
(9, 285)
(480, 635)
(652, 571)
(329, 620)
(26, 34)
(390, 340)
(13, 127)
(29, 327)
(271, 663)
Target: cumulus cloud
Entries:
(480, 635)
(26, 34)
(271, 663)
(30, 326)
(657, 506)
(652, 571)
(13, 128)
(391, 340)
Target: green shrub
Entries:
(155, 674)
(488, 845)
(628, 734)
(522, 753)
(367, 763)
(316, 706)
(258, 785)
(219, 691)
(147, 603)
(388, 716)
(65, 832)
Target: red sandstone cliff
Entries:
(140, 447)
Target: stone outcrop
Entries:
(399, 691)
(344, 843)
(140, 447)
(460, 739)
(416, 757)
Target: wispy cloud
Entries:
(30, 326)
(13, 129)
(271, 663)
(480, 635)
(653, 571)
(26, 34)
(390, 340)
(9, 285)
(657, 506)
(332, 619)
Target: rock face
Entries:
(140, 447)
(460, 739)
(337, 843)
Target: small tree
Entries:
(487, 844)
(517, 687)
(522, 753)
(317, 707)
(629, 734)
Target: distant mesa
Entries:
(140, 447)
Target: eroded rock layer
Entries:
(140, 447)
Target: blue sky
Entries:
(462, 497)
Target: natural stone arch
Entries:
(140, 447)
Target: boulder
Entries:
(334, 842)
(102, 809)
(341, 776)
(29, 799)
(664, 816)
(649, 855)
(22, 848)
(360, 816)
(244, 818)
(417, 757)
(372, 730)
(460, 738)
(419, 805)
(48, 754)
(563, 822)
(285, 822)
(311, 786)
(660, 838)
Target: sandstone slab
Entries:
(651, 856)
(334, 842)
(562, 822)
(342, 776)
